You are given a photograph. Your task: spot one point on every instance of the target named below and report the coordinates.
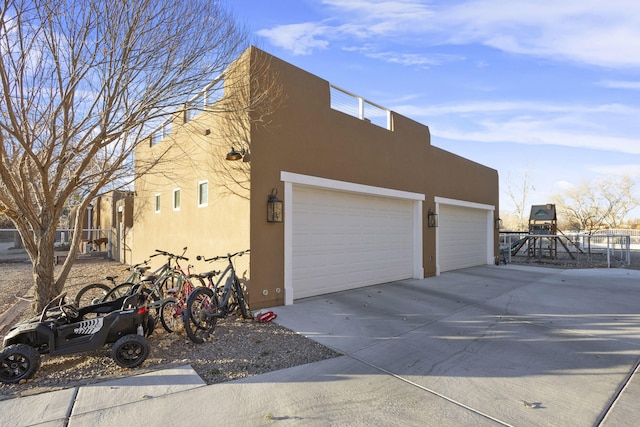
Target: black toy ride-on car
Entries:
(62, 328)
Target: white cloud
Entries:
(620, 84)
(633, 170)
(413, 59)
(531, 123)
(589, 31)
(300, 39)
(383, 17)
(487, 107)
(564, 185)
(539, 133)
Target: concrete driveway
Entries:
(508, 345)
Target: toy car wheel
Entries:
(18, 362)
(130, 351)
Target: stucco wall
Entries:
(306, 136)
(301, 135)
(192, 154)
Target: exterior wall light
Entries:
(234, 155)
(274, 207)
(432, 219)
(498, 223)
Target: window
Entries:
(176, 199)
(203, 193)
(157, 203)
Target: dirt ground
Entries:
(239, 348)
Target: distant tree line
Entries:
(591, 205)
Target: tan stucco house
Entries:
(366, 198)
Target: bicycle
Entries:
(206, 304)
(159, 282)
(173, 305)
(95, 292)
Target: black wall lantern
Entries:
(432, 219)
(274, 207)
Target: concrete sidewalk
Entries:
(486, 345)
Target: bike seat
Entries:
(150, 278)
(209, 274)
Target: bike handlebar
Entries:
(170, 255)
(227, 256)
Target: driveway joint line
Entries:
(616, 396)
(433, 392)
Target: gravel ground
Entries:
(239, 348)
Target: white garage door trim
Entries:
(291, 179)
(489, 211)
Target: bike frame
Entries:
(229, 274)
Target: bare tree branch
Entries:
(82, 83)
(592, 205)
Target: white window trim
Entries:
(176, 191)
(156, 203)
(200, 204)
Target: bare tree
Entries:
(519, 197)
(618, 199)
(82, 82)
(246, 105)
(593, 204)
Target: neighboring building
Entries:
(366, 197)
(108, 225)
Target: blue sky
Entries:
(548, 89)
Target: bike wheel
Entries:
(241, 300)
(91, 294)
(200, 315)
(153, 300)
(119, 291)
(171, 315)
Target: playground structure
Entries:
(610, 247)
(544, 235)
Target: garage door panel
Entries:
(462, 237)
(345, 240)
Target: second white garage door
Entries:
(343, 240)
(463, 237)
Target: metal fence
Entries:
(359, 107)
(92, 240)
(588, 248)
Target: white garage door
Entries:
(343, 240)
(462, 237)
